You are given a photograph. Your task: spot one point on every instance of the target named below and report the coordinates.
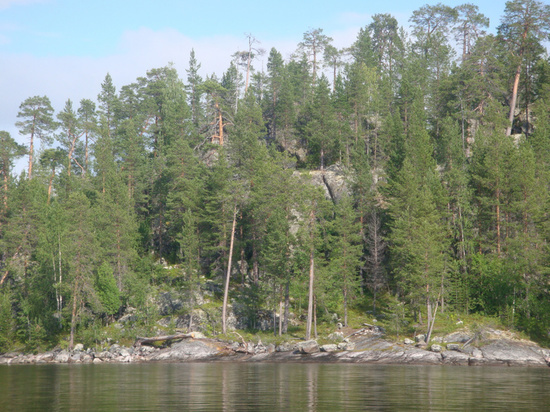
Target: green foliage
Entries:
(7, 324)
(439, 203)
(106, 287)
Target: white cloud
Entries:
(74, 77)
(136, 52)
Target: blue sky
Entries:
(64, 48)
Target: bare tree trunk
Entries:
(513, 101)
(50, 185)
(287, 307)
(310, 296)
(228, 276)
(315, 316)
(498, 221)
(345, 306)
(73, 317)
(280, 315)
(31, 149)
(431, 324)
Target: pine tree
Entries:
(80, 249)
(418, 240)
(10, 150)
(346, 251)
(523, 22)
(37, 115)
(193, 87)
(319, 127)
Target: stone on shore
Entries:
(329, 348)
(309, 346)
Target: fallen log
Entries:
(169, 338)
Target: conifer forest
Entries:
(406, 177)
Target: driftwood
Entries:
(247, 347)
(150, 341)
(369, 329)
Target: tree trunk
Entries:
(149, 341)
(31, 149)
(280, 315)
(73, 316)
(315, 317)
(287, 307)
(498, 221)
(345, 306)
(228, 276)
(513, 101)
(310, 296)
(431, 324)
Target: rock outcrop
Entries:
(486, 348)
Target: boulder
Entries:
(329, 348)
(346, 346)
(188, 349)
(458, 337)
(455, 358)
(105, 355)
(62, 357)
(513, 353)
(86, 358)
(453, 346)
(285, 347)
(309, 346)
(436, 348)
(114, 349)
(408, 341)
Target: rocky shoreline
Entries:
(490, 348)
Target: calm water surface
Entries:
(271, 387)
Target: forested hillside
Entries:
(192, 182)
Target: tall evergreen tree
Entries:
(37, 122)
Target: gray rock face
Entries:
(285, 347)
(455, 358)
(62, 357)
(332, 180)
(512, 353)
(309, 346)
(436, 348)
(358, 349)
(329, 348)
(346, 346)
(168, 304)
(458, 337)
(187, 350)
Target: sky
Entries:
(64, 48)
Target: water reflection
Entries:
(270, 387)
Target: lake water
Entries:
(271, 387)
